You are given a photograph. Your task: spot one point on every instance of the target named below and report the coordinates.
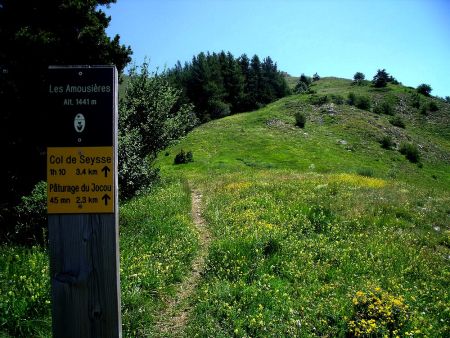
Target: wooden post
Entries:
(83, 202)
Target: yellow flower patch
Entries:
(359, 181)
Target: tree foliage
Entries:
(151, 117)
(303, 84)
(382, 78)
(219, 84)
(424, 89)
(34, 35)
(358, 78)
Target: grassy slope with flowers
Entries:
(304, 243)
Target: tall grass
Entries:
(157, 244)
(308, 254)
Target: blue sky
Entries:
(409, 38)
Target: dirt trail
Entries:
(172, 320)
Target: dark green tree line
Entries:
(219, 84)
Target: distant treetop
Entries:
(382, 78)
(358, 78)
(424, 89)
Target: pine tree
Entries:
(381, 78)
(254, 82)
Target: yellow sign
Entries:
(80, 180)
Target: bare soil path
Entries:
(172, 321)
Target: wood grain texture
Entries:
(84, 275)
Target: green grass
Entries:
(293, 250)
(24, 292)
(316, 227)
(318, 231)
(157, 244)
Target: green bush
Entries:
(410, 151)
(384, 107)
(376, 313)
(183, 157)
(415, 100)
(318, 100)
(337, 99)
(351, 98)
(300, 119)
(135, 168)
(151, 118)
(424, 89)
(423, 110)
(432, 106)
(218, 109)
(32, 216)
(386, 142)
(359, 101)
(397, 121)
(362, 102)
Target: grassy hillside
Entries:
(320, 231)
(337, 138)
(315, 231)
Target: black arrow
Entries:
(106, 169)
(106, 198)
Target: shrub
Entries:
(135, 168)
(386, 142)
(218, 109)
(415, 100)
(337, 99)
(397, 121)
(410, 151)
(32, 215)
(362, 102)
(447, 99)
(384, 107)
(432, 106)
(424, 89)
(300, 119)
(377, 314)
(358, 78)
(351, 98)
(318, 100)
(151, 117)
(183, 157)
(423, 110)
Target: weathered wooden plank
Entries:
(84, 275)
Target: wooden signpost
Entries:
(83, 201)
